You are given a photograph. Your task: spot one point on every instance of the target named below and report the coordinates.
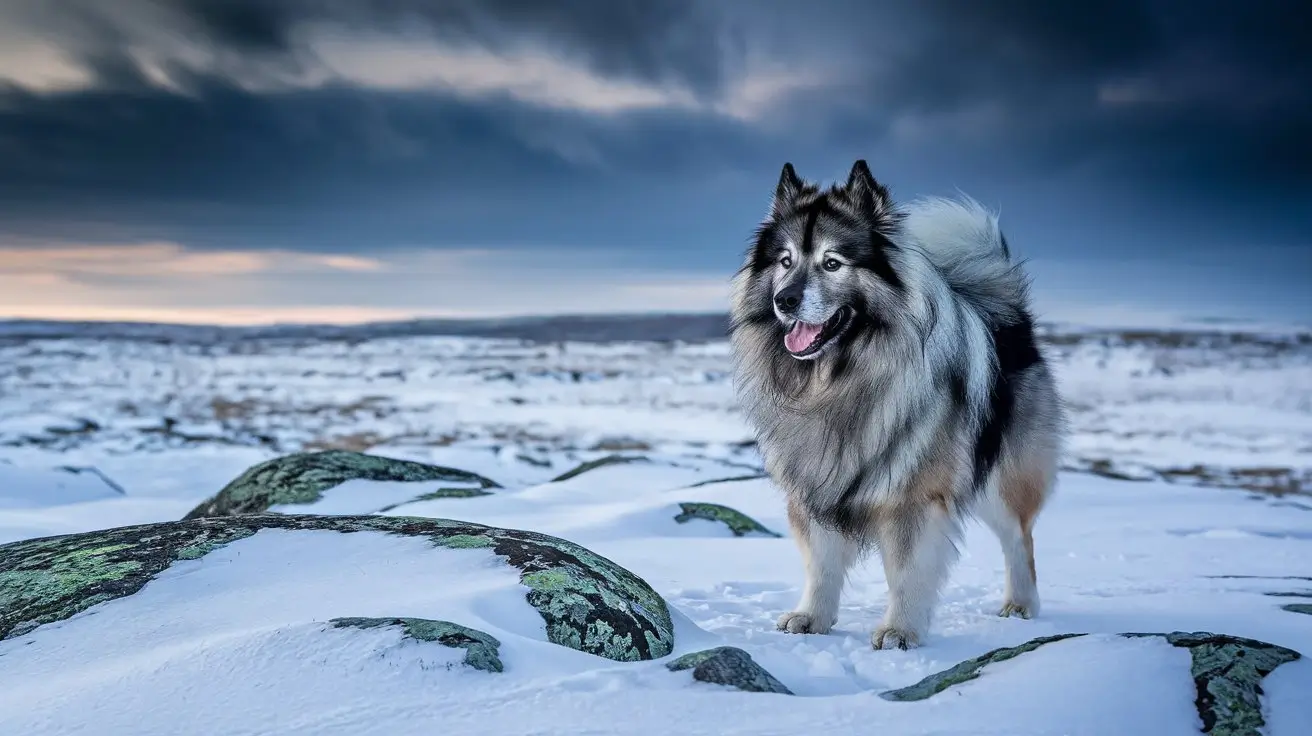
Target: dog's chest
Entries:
(816, 448)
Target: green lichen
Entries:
(554, 581)
(966, 671)
(586, 601)
(465, 541)
(1228, 673)
(592, 604)
(600, 463)
(301, 479)
(739, 523)
(729, 666)
(482, 650)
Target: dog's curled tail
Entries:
(964, 242)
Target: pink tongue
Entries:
(801, 336)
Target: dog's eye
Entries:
(786, 261)
(832, 264)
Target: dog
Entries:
(885, 358)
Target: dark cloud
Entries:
(1207, 97)
(644, 39)
(344, 168)
(1201, 107)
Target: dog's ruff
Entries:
(885, 357)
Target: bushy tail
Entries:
(964, 242)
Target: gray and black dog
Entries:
(885, 357)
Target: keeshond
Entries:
(885, 358)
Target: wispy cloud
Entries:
(531, 75)
(39, 66)
(164, 260)
(166, 282)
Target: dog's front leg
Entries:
(827, 555)
(918, 549)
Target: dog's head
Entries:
(821, 263)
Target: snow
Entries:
(237, 642)
(28, 488)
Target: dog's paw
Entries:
(891, 637)
(1010, 609)
(798, 622)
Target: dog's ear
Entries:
(866, 193)
(787, 190)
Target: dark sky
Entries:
(502, 156)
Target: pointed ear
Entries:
(867, 193)
(787, 190)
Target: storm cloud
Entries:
(648, 129)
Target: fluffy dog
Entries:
(885, 357)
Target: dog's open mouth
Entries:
(806, 339)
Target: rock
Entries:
(966, 671)
(599, 463)
(1298, 608)
(52, 578)
(91, 470)
(440, 493)
(731, 479)
(301, 478)
(482, 651)
(588, 602)
(729, 666)
(739, 523)
(1227, 672)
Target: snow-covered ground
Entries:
(104, 433)
(1220, 408)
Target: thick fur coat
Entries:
(885, 356)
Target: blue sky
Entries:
(262, 160)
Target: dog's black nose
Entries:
(787, 301)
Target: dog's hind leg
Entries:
(828, 556)
(1010, 510)
(918, 547)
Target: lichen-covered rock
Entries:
(482, 650)
(600, 463)
(438, 494)
(729, 666)
(1298, 608)
(739, 523)
(966, 671)
(1227, 672)
(301, 478)
(588, 602)
(53, 578)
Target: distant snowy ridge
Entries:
(688, 327)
